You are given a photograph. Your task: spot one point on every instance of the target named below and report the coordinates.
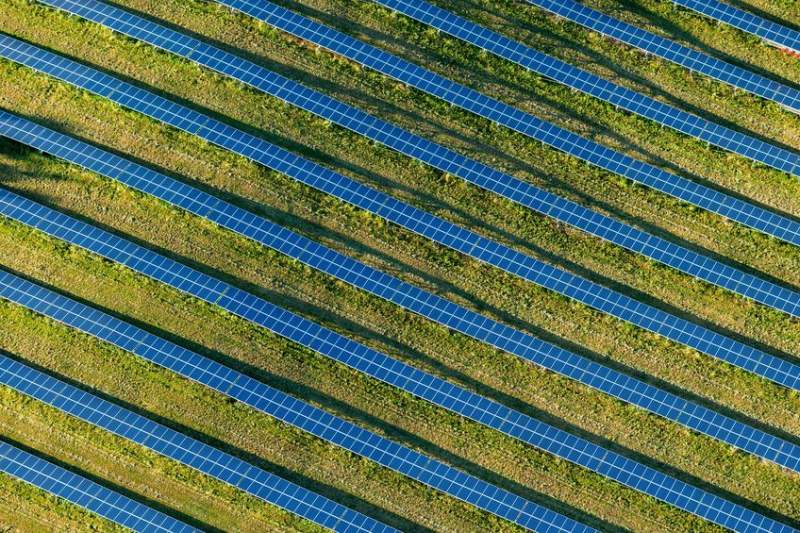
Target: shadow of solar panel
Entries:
(84, 493)
(392, 289)
(689, 58)
(337, 347)
(771, 32)
(443, 232)
(562, 72)
(563, 210)
(186, 450)
(694, 193)
(439, 230)
(271, 401)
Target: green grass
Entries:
(394, 250)
(783, 11)
(210, 415)
(24, 508)
(740, 316)
(146, 213)
(383, 407)
(144, 474)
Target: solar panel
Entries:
(596, 154)
(535, 61)
(186, 450)
(689, 58)
(275, 403)
(369, 279)
(84, 493)
(392, 289)
(771, 32)
(678, 257)
(324, 341)
(439, 230)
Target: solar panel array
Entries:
(309, 334)
(768, 30)
(438, 156)
(560, 71)
(664, 48)
(77, 489)
(446, 313)
(271, 401)
(186, 450)
(441, 231)
(694, 193)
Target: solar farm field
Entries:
(317, 264)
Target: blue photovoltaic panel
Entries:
(282, 406)
(743, 212)
(186, 450)
(671, 51)
(327, 342)
(584, 81)
(437, 229)
(596, 154)
(772, 32)
(423, 223)
(412, 298)
(563, 210)
(85, 493)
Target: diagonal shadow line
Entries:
(676, 33)
(430, 201)
(537, 36)
(111, 485)
(443, 286)
(485, 78)
(349, 412)
(404, 437)
(334, 493)
(748, 6)
(476, 303)
(260, 58)
(328, 318)
(651, 157)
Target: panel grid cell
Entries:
(669, 50)
(582, 80)
(772, 32)
(337, 347)
(85, 493)
(191, 452)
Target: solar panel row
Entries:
(594, 295)
(502, 337)
(700, 62)
(186, 450)
(699, 502)
(438, 156)
(664, 114)
(324, 341)
(268, 400)
(735, 209)
(768, 30)
(77, 489)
